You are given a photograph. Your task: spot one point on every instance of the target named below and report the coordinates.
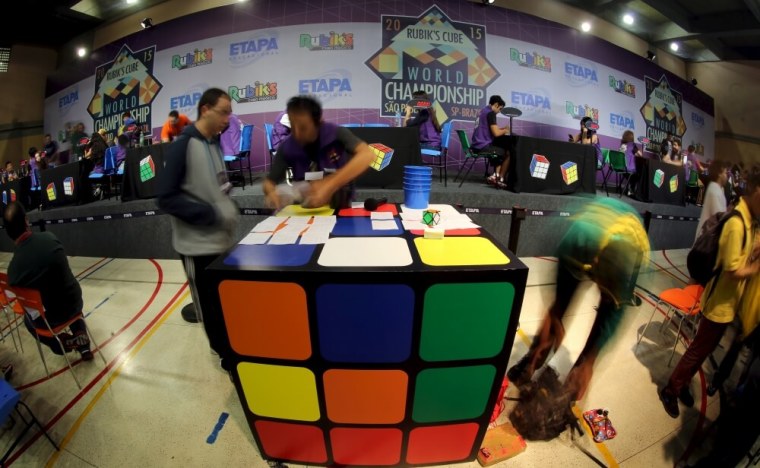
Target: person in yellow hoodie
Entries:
(738, 260)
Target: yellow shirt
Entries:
(720, 301)
(749, 310)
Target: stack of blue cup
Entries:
(417, 182)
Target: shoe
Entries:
(670, 403)
(188, 313)
(517, 374)
(86, 354)
(76, 341)
(491, 180)
(67, 339)
(501, 185)
(686, 398)
(711, 390)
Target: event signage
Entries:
(662, 112)
(246, 52)
(623, 87)
(581, 110)
(533, 60)
(331, 85)
(192, 59)
(125, 84)
(432, 53)
(255, 92)
(581, 74)
(330, 41)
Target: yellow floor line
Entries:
(611, 462)
(117, 371)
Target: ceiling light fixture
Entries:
(651, 55)
(628, 19)
(674, 46)
(146, 23)
(488, 2)
(81, 52)
(131, 2)
(585, 26)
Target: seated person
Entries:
(666, 146)
(489, 137)
(9, 174)
(78, 139)
(50, 148)
(40, 263)
(426, 120)
(328, 153)
(130, 128)
(173, 126)
(631, 151)
(280, 129)
(122, 143)
(674, 157)
(588, 136)
(230, 137)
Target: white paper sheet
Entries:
(381, 215)
(256, 238)
(269, 224)
(384, 224)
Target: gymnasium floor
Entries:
(162, 394)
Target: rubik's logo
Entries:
(659, 178)
(147, 169)
(51, 191)
(539, 166)
(383, 156)
(674, 184)
(569, 172)
(68, 186)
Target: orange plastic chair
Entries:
(31, 303)
(681, 302)
(9, 307)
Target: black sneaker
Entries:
(86, 354)
(670, 403)
(517, 373)
(686, 398)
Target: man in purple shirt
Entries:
(489, 137)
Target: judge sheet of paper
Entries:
(381, 215)
(316, 235)
(383, 224)
(269, 224)
(284, 236)
(256, 238)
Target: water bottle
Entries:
(142, 138)
(398, 118)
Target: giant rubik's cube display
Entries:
(68, 186)
(659, 178)
(147, 169)
(569, 172)
(383, 156)
(674, 184)
(51, 195)
(539, 166)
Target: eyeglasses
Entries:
(222, 112)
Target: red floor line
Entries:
(665, 254)
(97, 378)
(102, 344)
(667, 272)
(90, 267)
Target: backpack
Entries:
(703, 255)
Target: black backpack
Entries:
(703, 255)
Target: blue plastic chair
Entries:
(376, 125)
(268, 129)
(439, 154)
(351, 125)
(109, 168)
(246, 135)
(10, 400)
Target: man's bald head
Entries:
(14, 220)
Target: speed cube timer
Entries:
(383, 156)
(674, 184)
(539, 166)
(659, 178)
(147, 169)
(569, 172)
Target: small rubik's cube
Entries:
(431, 217)
(569, 172)
(13, 195)
(50, 191)
(68, 186)
(539, 166)
(383, 156)
(659, 178)
(674, 184)
(147, 169)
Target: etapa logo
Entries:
(329, 41)
(581, 74)
(622, 122)
(67, 101)
(258, 91)
(187, 103)
(246, 52)
(532, 102)
(332, 85)
(193, 59)
(532, 60)
(698, 120)
(581, 110)
(622, 87)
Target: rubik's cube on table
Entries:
(383, 156)
(569, 172)
(539, 166)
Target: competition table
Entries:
(554, 167)
(378, 347)
(142, 164)
(660, 182)
(60, 185)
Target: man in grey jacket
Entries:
(194, 190)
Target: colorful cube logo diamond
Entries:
(539, 166)
(569, 172)
(674, 184)
(659, 178)
(68, 186)
(13, 195)
(383, 156)
(147, 169)
(51, 191)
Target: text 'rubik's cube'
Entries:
(569, 172)
(383, 156)
(539, 166)
(147, 169)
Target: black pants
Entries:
(206, 303)
(85, 185)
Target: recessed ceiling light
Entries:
(628, 19)
(585, 26)
(674, 46)
(81, 52)
(131, 2)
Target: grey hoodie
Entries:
(190, 189)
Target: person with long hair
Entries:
(588, 136)
(426, 120)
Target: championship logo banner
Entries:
(446, 59)
(662, 112)
(125, 84)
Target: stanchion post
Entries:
(647, 220)
(518, 216)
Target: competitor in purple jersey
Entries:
(489, 137)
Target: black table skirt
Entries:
(405, 142)
(150, 160)
(552, 167)
(660, 182)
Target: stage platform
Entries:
(137, 229)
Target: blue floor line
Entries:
(219, 425)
